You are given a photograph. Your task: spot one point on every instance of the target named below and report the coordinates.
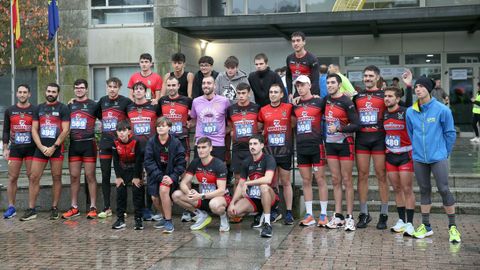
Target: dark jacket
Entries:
(176, 159)
(197, 83)
(260, 82)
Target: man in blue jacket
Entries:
(165, 163)
(431, 130)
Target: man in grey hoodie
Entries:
(227, 81)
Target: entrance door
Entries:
(462, 87)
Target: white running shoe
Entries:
(350, 224)
(475, 139)
(408, 229)
(335, 223)
(399, 227)
(224, 225)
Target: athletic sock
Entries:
(426, 219)
(75, 206)
(451, 220)
(401, 213)
(267, 218)
(410, 213)
(384, 208)
(323, 206)
(308, 207)
(364, 208)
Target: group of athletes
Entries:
(146, 135)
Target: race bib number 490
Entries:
(48, 132)
(109, 124)
(276, 139)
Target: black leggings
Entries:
(476, 123)
(106, 167)
(138, 195)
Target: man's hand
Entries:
(194, 195)
(245, 190)
(119, 181)
(407, 77)
(167, 180)
(154, 101)
(6, 153)
(137, 182)
(48, 151)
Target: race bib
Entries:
(254, 192)
(177, 128)
(392, 141)
(78, 123)
(368, 118)
(304, 126)
(276, 139)
(141, 129)
(207, 188)
(243, 130)
(148, 95)
(48, 132)
(210, 128)
(109, 124)
(23, 137)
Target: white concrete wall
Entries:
(119, 45)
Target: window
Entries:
(364, 61)
(328, 60)
(102, 73)
(422, 59)
(262, 7)
(463, 58)
(118, 12)
(22, 76)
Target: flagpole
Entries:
(12, 61)
(57, 66)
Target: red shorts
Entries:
(399, 162)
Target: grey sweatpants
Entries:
(440, 173)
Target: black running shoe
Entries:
(266, 231)
(138, 224)
(382, 222)
(363, 220)
(256, 221)
(30, 214)
(119, 224)
(54, 215)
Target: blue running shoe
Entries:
(147, 214)
(288, 218)
(10, 213)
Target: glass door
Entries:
(462, 87)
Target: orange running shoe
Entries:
(322, 221)
(73, 212)
(308, 220)
(92, 214)
(235, 219)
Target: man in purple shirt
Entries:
(208, 114)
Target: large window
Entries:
(22, 76)
(242, 7)
(102, 73)
(119, 12)
(386, 60)
(422, 59)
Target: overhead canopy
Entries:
(374, 22)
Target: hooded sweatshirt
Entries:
(226, 87)
(260, 81)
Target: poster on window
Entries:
(459, 74)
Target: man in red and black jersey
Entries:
(310, 149)
(111, 109)
(370, 142)
(242, 123)
(341, 121)
(301, 62)
(176, 108)
(50, 127)
(128, 166)
(17, 142)
(399, 163)
(277, 120)
(212, 195)
(152, 80)
(254, 192)
(83, 148)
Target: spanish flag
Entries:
(16, 23)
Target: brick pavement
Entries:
(84, 244)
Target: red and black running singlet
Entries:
(309, 119)
(306, 65)
(244, 122)
(143, 118)
(370, 107)
(82, 120)
(341, 113)
(50, 118)
(17, 127)
(277, 128)
(207, 175)
(111, 111)
(254, 169)
(396, 138)
(176, 109)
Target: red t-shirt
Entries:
(153, 82)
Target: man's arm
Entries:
(448, 128)
(179, 164)
(6, 135)
(63, 135)
(186, 183)
(265, 180)
(190, 77)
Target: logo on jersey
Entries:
(276, 123)
(400, 115)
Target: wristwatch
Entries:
(203, 196)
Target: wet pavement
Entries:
(92, 244)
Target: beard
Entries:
(51, 98)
